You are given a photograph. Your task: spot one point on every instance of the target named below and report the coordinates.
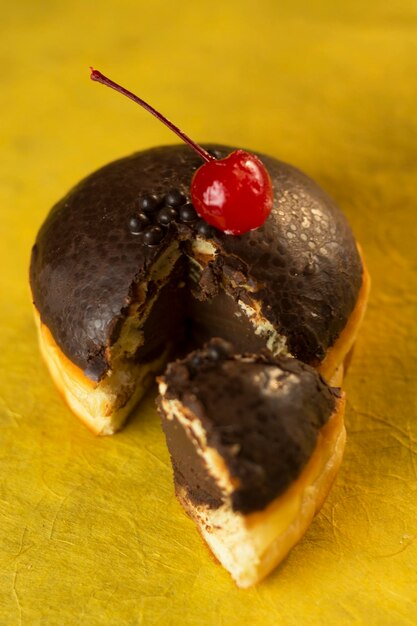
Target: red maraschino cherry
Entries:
(234, 194)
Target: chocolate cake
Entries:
(124, 274)
(255, 442)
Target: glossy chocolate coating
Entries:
(86, 261)
(261, 414)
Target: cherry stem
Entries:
(100, 78)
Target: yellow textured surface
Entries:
(90, 531)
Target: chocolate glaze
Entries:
(85, 261)
(262, 415)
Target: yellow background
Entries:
(90, 531)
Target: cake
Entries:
(255, 443)
(125, 275)
(155, 255)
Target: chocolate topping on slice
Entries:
(87, 259)
(261, 414)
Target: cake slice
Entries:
(255, 443)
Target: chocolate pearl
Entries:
(174, 198)
(153, 235)
(188, 213)
(204, 229)
(166, 215)
(138, 223)
(148, 203)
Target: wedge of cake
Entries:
(255, 443)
